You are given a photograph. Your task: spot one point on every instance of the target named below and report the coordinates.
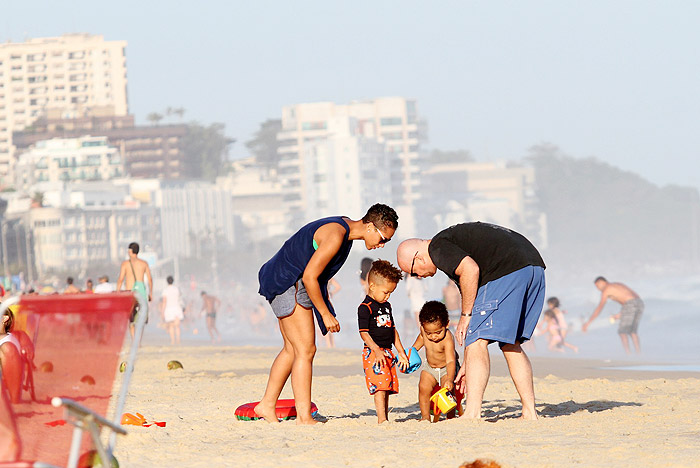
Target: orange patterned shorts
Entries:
(380, 377)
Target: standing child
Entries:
(377, 330)
(440, 365)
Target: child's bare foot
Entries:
(267, 412)
(425, 420)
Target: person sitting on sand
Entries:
(556, 341)
(554, 304)
(441, 364)
(295, 283)
(10, 357)
(10, 444)
(378, 332)
(630, 314)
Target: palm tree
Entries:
(154, 118)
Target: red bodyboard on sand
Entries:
(285, 410)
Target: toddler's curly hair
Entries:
(384, 269)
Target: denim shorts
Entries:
(507, 309)
(283, 304)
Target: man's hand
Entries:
(331, 323)
(585, 326)
(461, 331)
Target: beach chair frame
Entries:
(83, 418)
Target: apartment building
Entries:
(148, 151)
(67, 160)
(391, 121)
(488, 192)
(70, 74)
(256, 199)
(73, 239)
(195, 216)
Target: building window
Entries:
(313, 126)
(390, 121)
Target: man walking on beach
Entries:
(133, 271)
(500, 275)
(210, 305)
(630, 314)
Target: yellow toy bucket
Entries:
(444, 400)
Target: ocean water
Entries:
(669, 330)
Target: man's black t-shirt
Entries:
(497, 251)
(376, 319)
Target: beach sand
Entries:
(591, 416)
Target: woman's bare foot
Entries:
(306, 422)
(267, 412)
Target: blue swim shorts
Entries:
(507, 309)
(283, 304)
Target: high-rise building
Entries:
(391, 121)
(73, 75)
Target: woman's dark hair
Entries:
(381, 216)
(554, 301)
(11, 322)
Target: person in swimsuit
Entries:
(441, 364)
(630, 314)
(132, 273)
(295, 283)
(210, 304)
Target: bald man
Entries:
(500, 275)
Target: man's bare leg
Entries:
(520, 370)
(478, 363)
(279, 373)
(635, 341)
(625, 342)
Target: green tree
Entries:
(264, 144)
(600, 214)
(154, 118)
(206, 149)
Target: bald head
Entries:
(414, 253)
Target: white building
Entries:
(392, 121)
(70, 75)
(68, 160)
(346, 172)
(195, 216)
(256, 199)
(488, 192)
(72, 239)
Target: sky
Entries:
(615, 80)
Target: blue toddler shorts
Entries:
(507, 309)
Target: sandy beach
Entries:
(591, 415)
